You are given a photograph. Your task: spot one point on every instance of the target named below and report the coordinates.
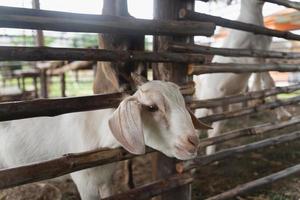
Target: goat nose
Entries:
(194, 140)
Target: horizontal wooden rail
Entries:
(241, 189)
(70, 22)
(249, 110)
(53, 107)
(220, 155)
(155, 188)
(241, 68)
(57, 167)
(210, 103)
(17, 96)
(286, 3)
(191, 15)
(49, 53)
(71, 67)
(193, 48)
(254, 130)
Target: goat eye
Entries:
(152, 108)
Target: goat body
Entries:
(155, 116)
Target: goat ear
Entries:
(138, 79)
(126, 126)
(196, 122)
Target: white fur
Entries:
(223, 84)
(36, 139)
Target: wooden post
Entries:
(18, 80)
(23, 83)
(39, 33)
(35, 87)
(40, 43)
(115, 76)
(77, 76)
(63, 84)
(43, 82)
(163, 166)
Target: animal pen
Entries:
(174, 26)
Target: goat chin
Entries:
(185, 155)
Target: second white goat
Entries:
(217, 85)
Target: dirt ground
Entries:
(210, 180)
(226, 174)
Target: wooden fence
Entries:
(184, 54)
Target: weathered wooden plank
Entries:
(193, 48)
(47, 53)
(53, 107)
(241, 68)
(249, 110)
(286, 3)
(70, 22)
(226, 153)
(254, 130)
(219, 21)
(241, 189)
(210, 103)
(60, 166)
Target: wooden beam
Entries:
(43, 83)
(254, 130)
(155, 188)
(63, 84)
(47, 53)
(219, 21)
(70, 22)
(241, 189)
(241, 68)
(75, 65)
(224, 154)
(249, 110)
(39, 33)
(40, 42)
(230, 52)
(16, 96)
(53, 107)
(211, 103)
(286, 3)
(60, 166)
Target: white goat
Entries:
(223, 84)
(154, 116)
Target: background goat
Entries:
(155, 116)
(223, 84)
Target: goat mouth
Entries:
(184, 154)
